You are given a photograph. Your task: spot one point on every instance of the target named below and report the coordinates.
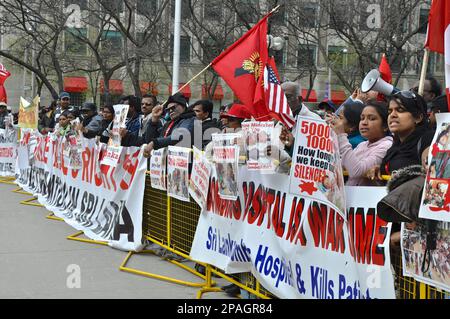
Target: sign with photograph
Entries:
(113, 151)
(436, 194)
(259, 137)
(199, 182)
(316, 170)
(178, 172)
(158, 169)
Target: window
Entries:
(213, 10)
(111, 42)
(336, 55)
(306, 56)
(81, 3)
(308, 15)
(77, 99)
(397, 62)
(116, 6)
(185, 48)
(72, 44)
(210, 50)
(147, 7)
(423, 20)
(248, 11)
(185, 9)
(340, 17)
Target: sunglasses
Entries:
(406, 94)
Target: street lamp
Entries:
(275, 43)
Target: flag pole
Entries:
(423, 73)
(196, 76)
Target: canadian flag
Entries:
(438, 35)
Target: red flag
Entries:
(242, 67)
(438, 35)
(274, 95)
(385, 69)
(4, 74)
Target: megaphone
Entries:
(373, 81)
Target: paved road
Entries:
(36, 261)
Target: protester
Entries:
(179, 129)
(203, 114)
(3, 114)
(431, 89)
(64, 126)
(438, 105)
(133, 122)
(148, 103)
(46, 121)
(64, 104)
(91, 124)
(327, 107)
(407, 121)
(107, 123)
(348, 120)
(373, 127)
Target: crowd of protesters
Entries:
(377, 135)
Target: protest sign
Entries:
(114, 148)
(28, 113)
(316, 170)
(158, 169)
(414, 242)
(226, 150)
(199, 182)
(178, 172)
(436, 194)
(259, 137)
(295, 246)
(104, 202)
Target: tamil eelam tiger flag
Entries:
(242, 66)
(438, 35)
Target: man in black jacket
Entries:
(179, 129)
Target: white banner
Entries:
(178, 172)
(297, 247)
(102, 201)
(316, 170)
(8, 151)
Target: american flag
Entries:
(275, 98)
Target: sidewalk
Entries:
(37, 261)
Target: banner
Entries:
(158, 169)
(28, 113)
(259, 137)
(178, 172)
(413, 244)
(104, 202)
(316, 170)
(199, 182)
(114, 148)
(295, 246)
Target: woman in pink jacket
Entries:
(372, 126)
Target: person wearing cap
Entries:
(179, 127)
(64, 104)
(327, 106)
(438, 105)
(3, 114)
(92, 122)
